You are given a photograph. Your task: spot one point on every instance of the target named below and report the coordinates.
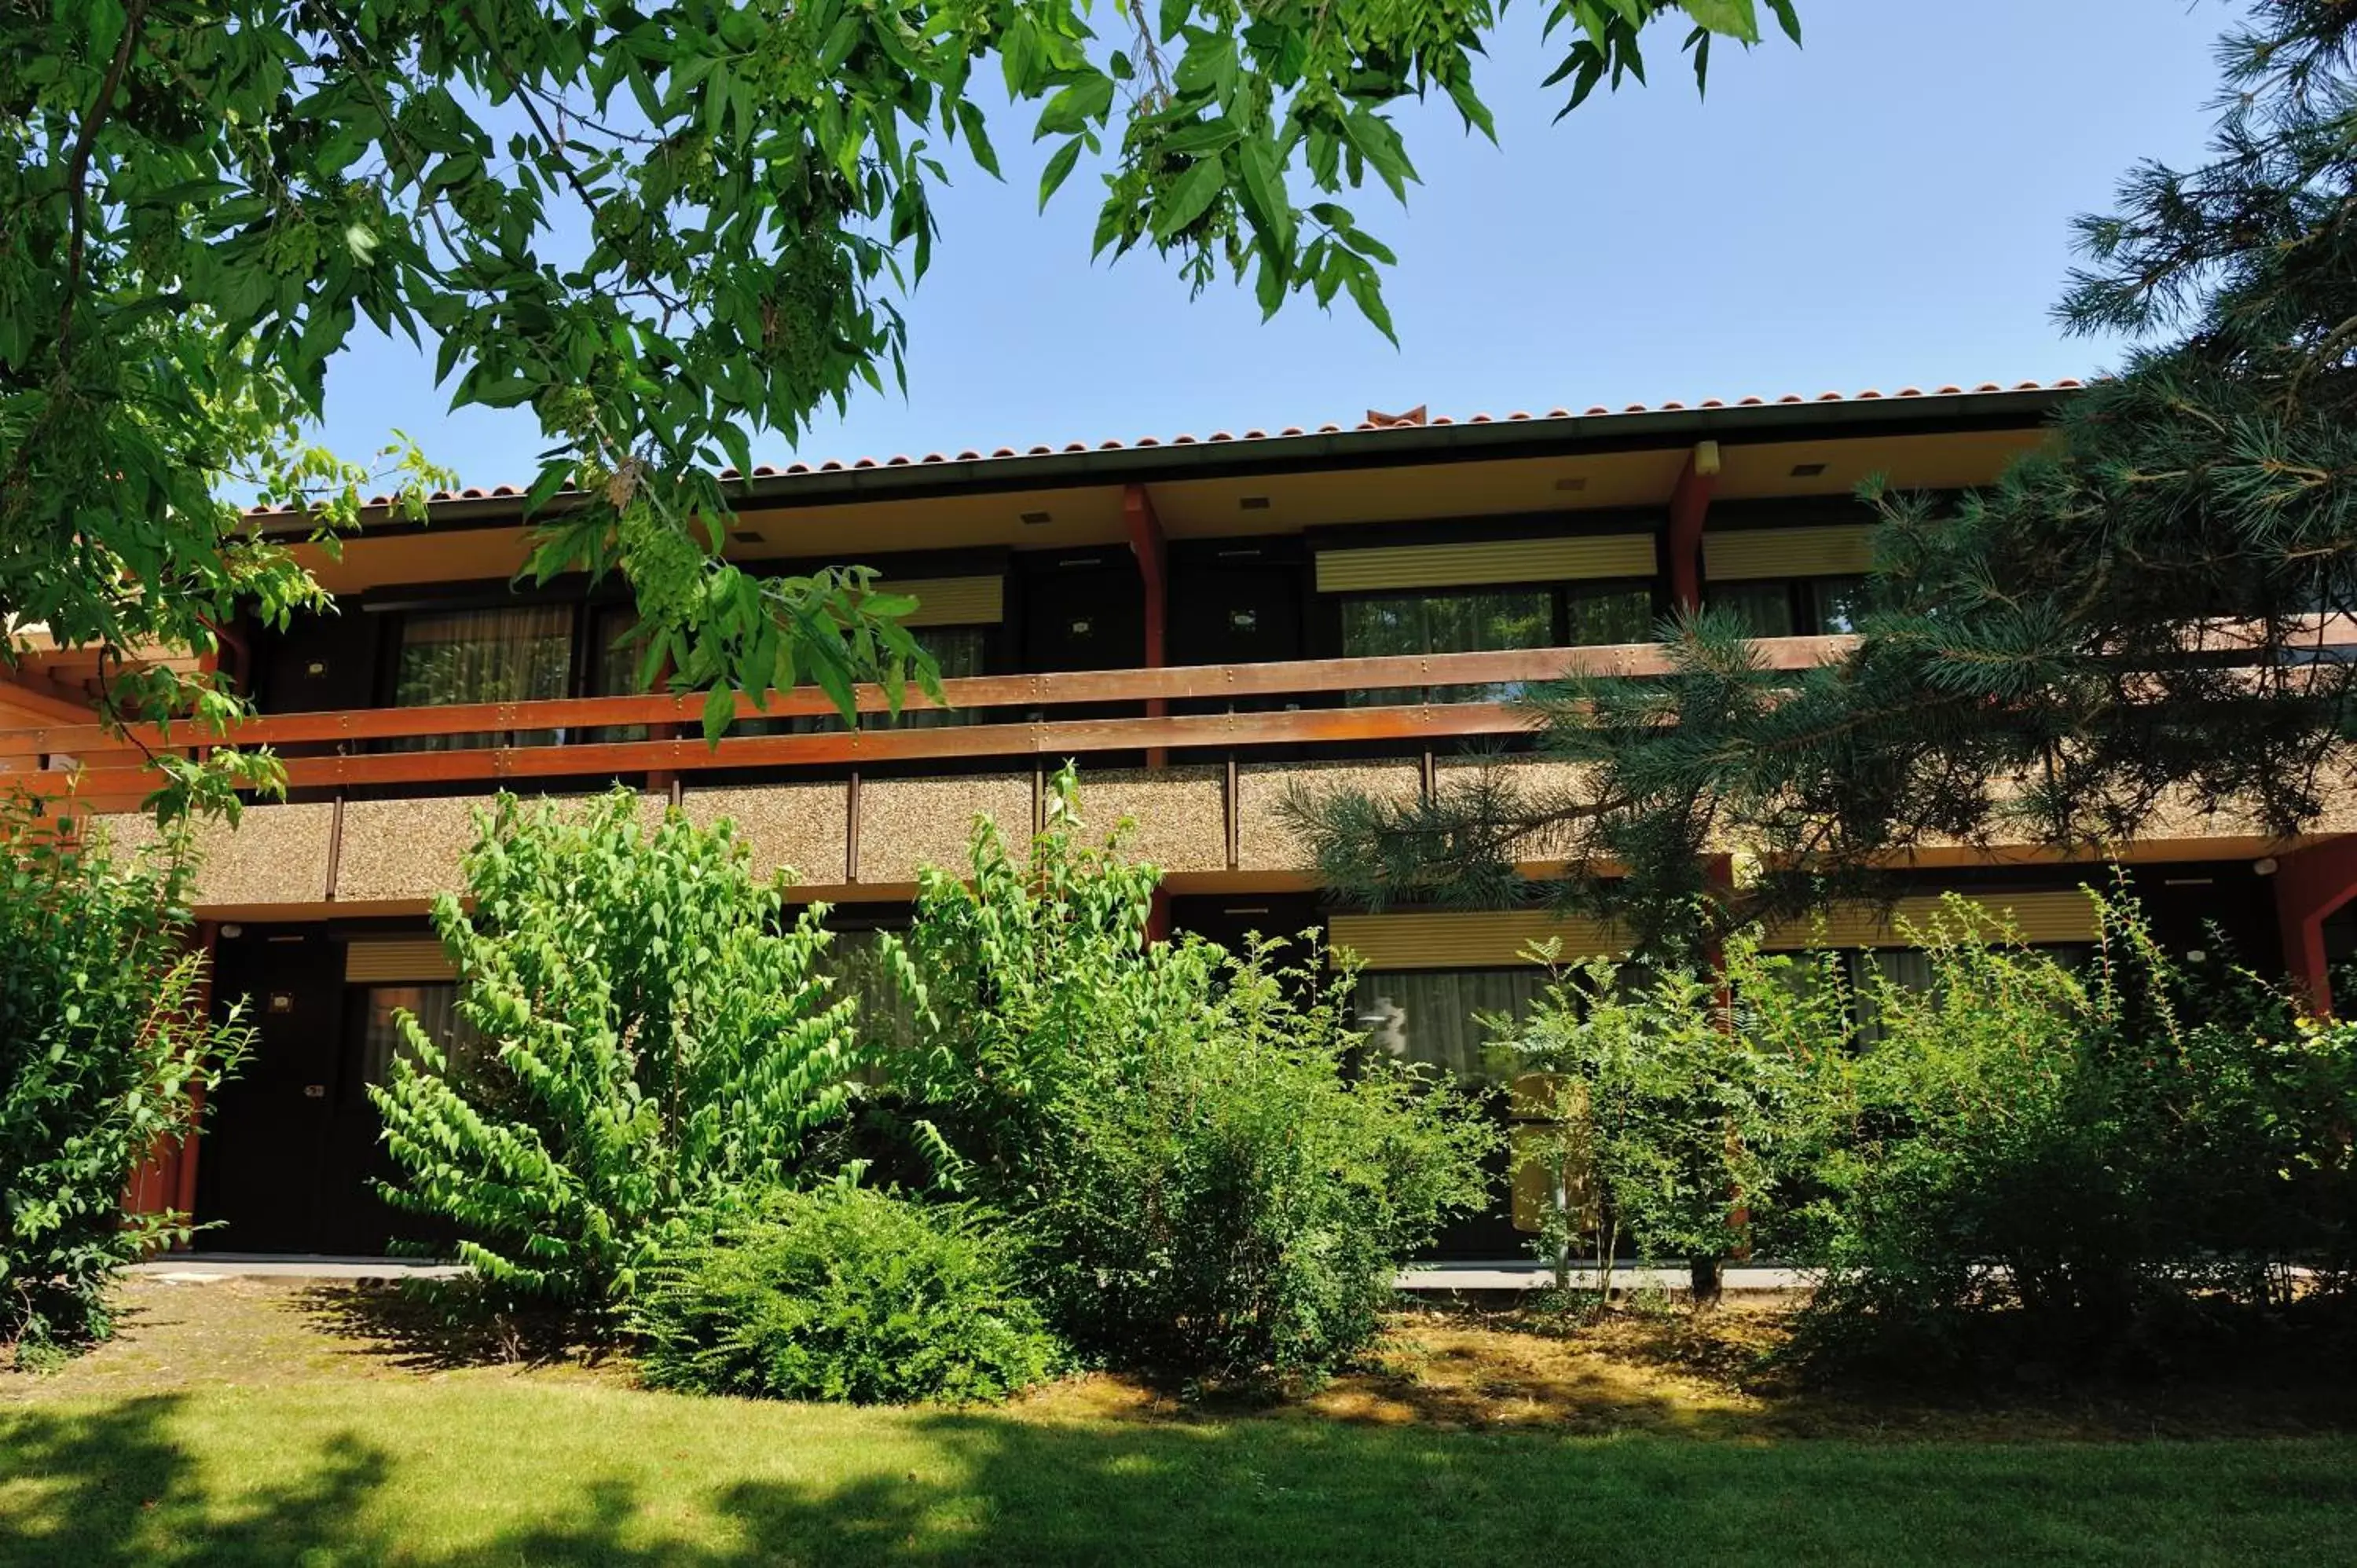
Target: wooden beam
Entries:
(1288, 678)
(502, 765)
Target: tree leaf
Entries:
(1188, 200)
(1059, 167)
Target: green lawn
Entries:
(233, 1454)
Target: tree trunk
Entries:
(1705, 1278)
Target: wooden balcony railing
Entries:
(110, 765)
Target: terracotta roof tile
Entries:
(1290, 432)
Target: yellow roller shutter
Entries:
(1489, 561)
(2059, 916)
(1834, 551)
(952, 601)
(397, 958)
(1468, 940)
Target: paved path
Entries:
(1437, 1278)
(1524, 1274)
(196, 1268)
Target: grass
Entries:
(247, 1423)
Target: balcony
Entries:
(854, 811)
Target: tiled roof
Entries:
(974, 454)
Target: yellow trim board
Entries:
(1837, 550)
(952, 601)
(1489, 561)
(394, 960)
(1466, 939)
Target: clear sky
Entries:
(1889, 206)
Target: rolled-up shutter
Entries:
(1838, 550)
(1488, 561)
(2055, 916)
(1466, 939)
(952, 601)
(396, 958)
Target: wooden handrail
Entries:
(1054, 738)
(1301, 677)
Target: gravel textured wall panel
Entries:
(906, 823)
(803, 828)
(1264, 842)
(1525, 776)
(396, 850)
(276, 854)
(1180, 814)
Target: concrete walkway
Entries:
(1425, 1278)
(200, 1267)
(1521, 1273)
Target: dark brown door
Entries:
(258, 1166)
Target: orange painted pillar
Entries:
(1146, 542)
(2311, 884)
(1689, 507)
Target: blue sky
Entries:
(1887, 206)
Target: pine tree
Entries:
(2150, 617)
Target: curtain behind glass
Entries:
(1433, 1016)
(614, 666)
(436, 1010)
(516, 655)
(887, 1018)
(1443, 623)
(1764, 608)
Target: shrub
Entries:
(1658, 1104)
(638, 1034)
(843, 1293)
(104, 1042)
(2077, 1166)
(1219, 1185)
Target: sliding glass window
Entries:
(507, 655)
(1460, 621)
(1434, 1016)
(436, 1008)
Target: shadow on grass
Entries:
(440, 1326)
(127, 1484)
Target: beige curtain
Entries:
(519, 655)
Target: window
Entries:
(519, 655)
(1792, 607)
(887, 1018)
(1419, 623)
(1596, 617)
(1838, 603)
(436, 1008)
(1764, 609)
(1907, 971)
(1434, 1016)
(959, 651)
(614, 666)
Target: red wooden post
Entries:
(1152, 550)
(2311, 884)
(1689, 508)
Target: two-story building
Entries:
(1201, 622)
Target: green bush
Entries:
(104, 1040)
(1663, 1104)
(641, 1032)
(1217, 1184)
(843, 1293)
(2078, 1164)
